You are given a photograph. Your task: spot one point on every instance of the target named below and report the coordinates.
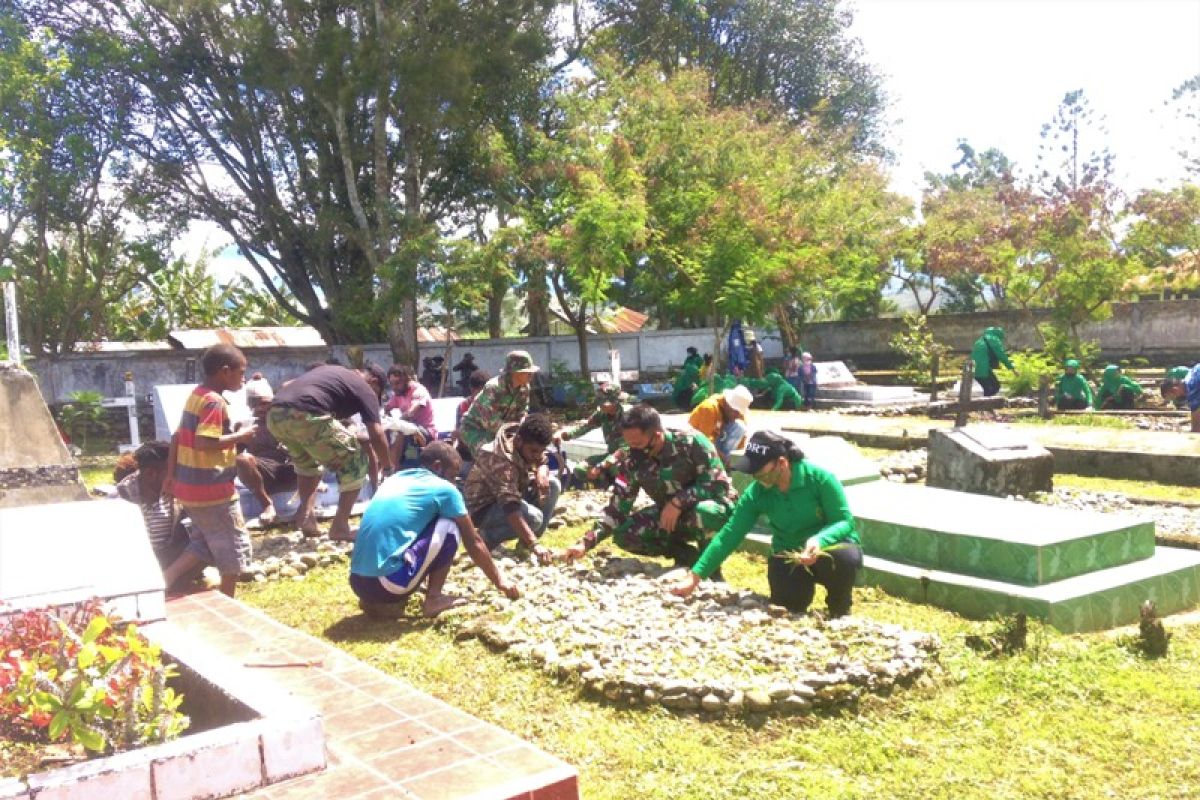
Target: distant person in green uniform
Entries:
(988, 353)
(783, 393)
(813, 539)
(1072, 392)
(686, 383)
(1116, 391)
(694, 359)
(610, 405)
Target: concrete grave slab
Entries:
(64, 553)
(996, 460)
(35, 466)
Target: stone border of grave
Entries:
(285, 740)
(843, 683)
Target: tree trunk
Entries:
(496, 307)
(786, 330)
(581, 336)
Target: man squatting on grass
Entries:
(1186, 388)
(200, 471)
(409, 535)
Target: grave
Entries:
(62, 553)
(838, 388)
(35, 466)
(994, 460)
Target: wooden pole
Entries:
(1044, 397)
(965, 382)
(934, 369)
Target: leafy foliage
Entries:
(1029, 367)
(77, 676)
(915, 343)
(83, 416)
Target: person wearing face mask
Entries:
(681, 472)
(813, 539)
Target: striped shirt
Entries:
(204, 477)
(158, 512)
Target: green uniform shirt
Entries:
(609, 425)
(687, 469)
(1074, 386)
(498, 402)
(813, 505)
(783, 391)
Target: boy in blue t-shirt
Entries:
(409, 535)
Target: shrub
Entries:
(83, 415)
(1028, 369)
(75, 675)
(916, 344)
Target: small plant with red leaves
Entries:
(78, 675)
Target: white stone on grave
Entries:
(60, 554)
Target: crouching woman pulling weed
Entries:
(812, 532)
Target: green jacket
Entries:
(1112, 382)
(813, 505)
(988, 352)
(782, 391)
(1075, 387)
(687, 377)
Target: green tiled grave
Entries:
(992, 538)
(1103, 599)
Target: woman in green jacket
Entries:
(1116, 389)
(812, 532)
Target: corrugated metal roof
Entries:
(436, 334)
(247, 338)
(624, 320)
(120, 347)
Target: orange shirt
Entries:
(706, 417)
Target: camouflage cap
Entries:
(519, 361)
(609, 392)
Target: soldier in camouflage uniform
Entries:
(681, 472)
(607, 417)
(505, 398)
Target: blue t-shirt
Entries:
(399, 511)
(1192, 382)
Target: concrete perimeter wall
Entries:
(1164, 332)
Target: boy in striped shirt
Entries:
(202, 466)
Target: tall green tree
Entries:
(584, 210)
(797, 56)
(81, 227)
(321, 136)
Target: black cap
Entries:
(763, 448)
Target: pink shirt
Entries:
(415, 395)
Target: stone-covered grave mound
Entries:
(612, 627)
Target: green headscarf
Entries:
(1071, 363)
(1111, 380)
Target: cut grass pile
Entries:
(1072, 717)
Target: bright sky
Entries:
(994, 71)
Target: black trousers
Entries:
(1072, 404)
(792, 585)
(990, 384)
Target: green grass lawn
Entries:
(1072, 717)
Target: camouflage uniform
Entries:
(498, 402)
(687, 468)
(610, 427)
